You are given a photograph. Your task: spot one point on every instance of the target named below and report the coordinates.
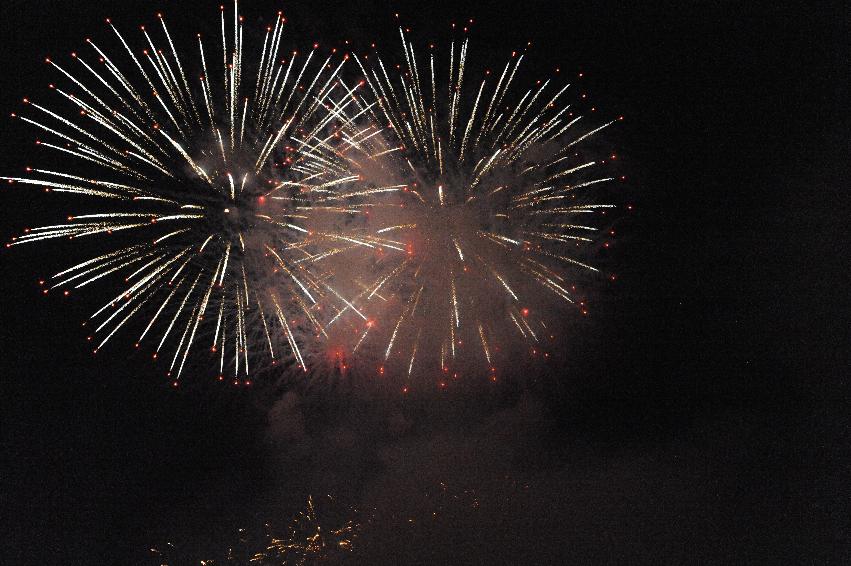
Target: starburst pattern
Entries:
(200, 186)
(487, 234)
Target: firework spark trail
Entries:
(188, 169)
(488, 186)
(311, 539)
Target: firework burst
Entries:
(201, 186)
(485, 227)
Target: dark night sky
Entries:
(702, 417)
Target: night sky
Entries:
(700, 415)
